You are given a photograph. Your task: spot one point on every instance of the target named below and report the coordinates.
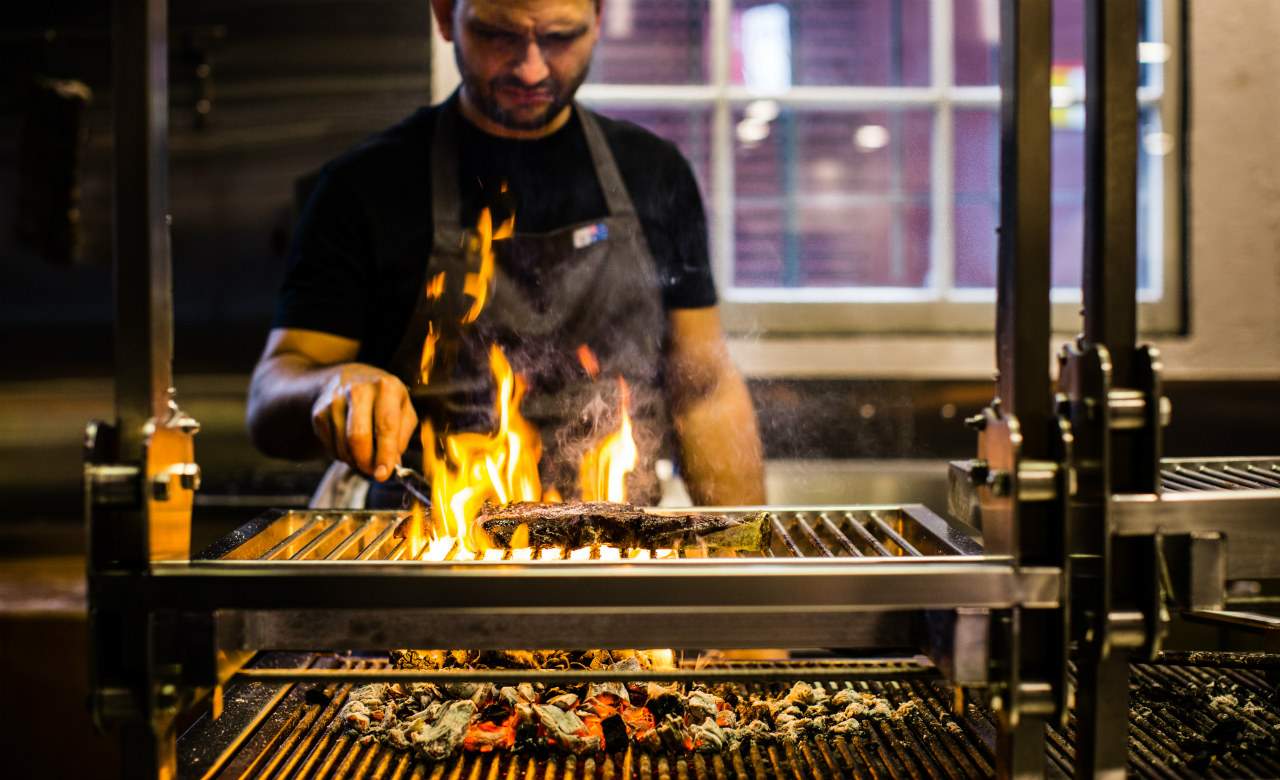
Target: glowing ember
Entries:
(588, 360)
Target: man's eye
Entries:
(559, 39)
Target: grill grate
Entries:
(1194, 722)
(818, 532)
(1181, 476)
(922, 739)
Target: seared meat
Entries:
(578, 524)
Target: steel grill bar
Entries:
(1249, 478)
(862, 533)
(839, 536)
(897, 538)
(784, 536)
(1198, 481)
(1229, 475)
(275, 550)
(1270, 476)
(304, 553)
(807, 531)
(379, 540)
(1214, 478)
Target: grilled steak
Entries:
(581, 524)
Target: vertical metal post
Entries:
(143, 286)
(1022, 283)
(1111, 190)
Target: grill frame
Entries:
(809, 532)
(683, 602)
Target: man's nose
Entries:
(532, 68)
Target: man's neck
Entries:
(477, 117)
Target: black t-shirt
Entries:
(359, 256)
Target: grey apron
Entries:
(593, 283)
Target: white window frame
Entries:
(939, 307)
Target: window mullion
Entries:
(942, 252)
(722, 177)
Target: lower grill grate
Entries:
(1182, 476)
(1194, 722)
(1185, 722)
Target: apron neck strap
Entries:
(607, 173)
(446, 198)
(446, 195)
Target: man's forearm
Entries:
(283, 390)
(720, 445)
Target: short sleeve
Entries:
(327, 282)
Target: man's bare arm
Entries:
(716, 424)
(309, 398)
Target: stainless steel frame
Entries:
(1085, 549)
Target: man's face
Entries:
(522, 61)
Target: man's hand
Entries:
(363, 417)
(309, 397)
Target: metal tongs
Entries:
(413, 483)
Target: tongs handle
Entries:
(414, 484)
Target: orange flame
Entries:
(435, 287)
(603, 473)
(477, 283)
(428, 353)
(471, 469)
(588, 360)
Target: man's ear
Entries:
(443, 10)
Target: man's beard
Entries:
(484, 97)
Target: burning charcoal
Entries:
(702, 705)
(440, 739)
(674, 735)
(615, 733)
(638, 719)
(484, 694)
(367, 694)
(486, 737)
(527, 692)
(756, 729)
(800, 693)
(708, 738)
(615, 689)
(844, 697)
(786, 718)
(567, 729)
(845, 727)
(565, 701)
(354, 715)
(649, 740)
(665, 705)
(726, 719)
(497, 713)
(460, 690)
(396, 738)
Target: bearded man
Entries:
(609, 252)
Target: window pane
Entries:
(831, 199)
(977, 40)
(978, 198)
(652, 42)
(830, 43)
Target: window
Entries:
(849, 153)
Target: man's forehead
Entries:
(524, 13)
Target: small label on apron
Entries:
(591, 234)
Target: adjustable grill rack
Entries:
(1092, 549)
